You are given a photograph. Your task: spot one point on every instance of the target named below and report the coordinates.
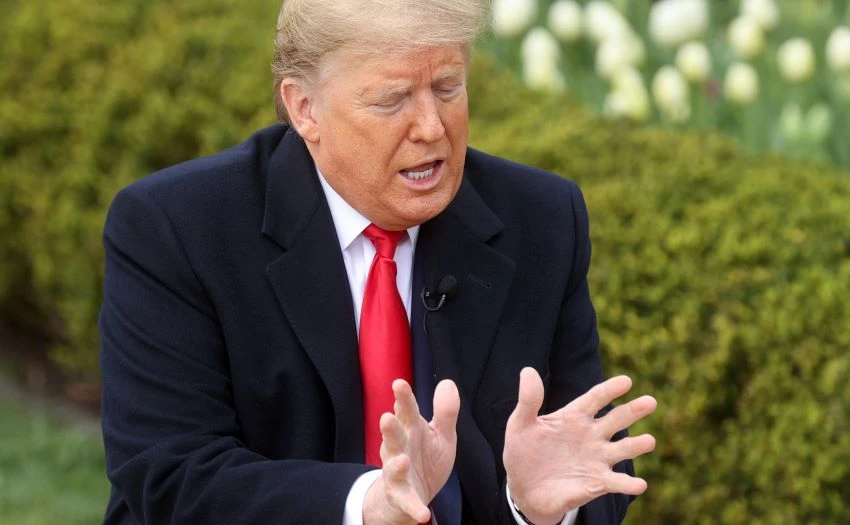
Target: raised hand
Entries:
(417, 457)
(560, 461)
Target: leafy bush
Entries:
(722, 284)
(721, 280)
(95, 97)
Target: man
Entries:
(266, 309)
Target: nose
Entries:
(427, 124)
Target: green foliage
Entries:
(48, 473)
(95, 97)
(721, 283)
(720, 279)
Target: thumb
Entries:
(530, 398)
(446, 407)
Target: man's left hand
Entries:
(563, 460)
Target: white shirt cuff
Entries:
(569, 519)
(356, 496)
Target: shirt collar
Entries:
(349, 222)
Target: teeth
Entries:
(417, 175)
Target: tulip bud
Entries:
(674, 22)
(565, 20)
(617, 52)
(540, 54)
(818, 122)
(602, 20)
(629, 97)
(540, 74)
(764, 12)
(670, 91)
(796, 59)
(838, 50)
(512, 17)
(745, 37)
(694, 61)
(741, 84)
(539, 44)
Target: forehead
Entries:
(370, 69)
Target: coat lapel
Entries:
(457, 243)
(461, 333)
(311, 284)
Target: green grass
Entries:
(49, 473)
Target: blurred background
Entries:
(711, 140)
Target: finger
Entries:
(446, 407)
(626, 415)
(619, 483)
(601, 395)
(630, 448)
(394, 436)
(401, 492)
(405, 408)
(530, 398)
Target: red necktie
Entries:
(385, 341)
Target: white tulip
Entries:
(818, 122)
(694, 61)
(796, 59)
(540, 54)
(674, 22)
(670, 90)
(838, 50)
(634, 106)
(628, 79)
(741, 84)
(746, 37)
(542, 74)
(565, 20)
(512, 17)
(629, 97)
(540, 45)
(602, 20)
(764, 12)
(616, 52)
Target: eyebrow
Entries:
(449, 74)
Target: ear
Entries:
(299, 103)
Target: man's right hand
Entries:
(417, 457)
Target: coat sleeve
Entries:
(171, 432)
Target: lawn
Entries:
(49, 473)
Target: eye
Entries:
(389, 104)
(449, 92)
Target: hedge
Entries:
(721, 280)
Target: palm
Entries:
(417, 456)
(561, 461)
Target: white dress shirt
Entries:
(357, 253)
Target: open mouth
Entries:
(422, 172)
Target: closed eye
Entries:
(449, 92)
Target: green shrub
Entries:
(721, 280)
(722, 284)
(96, 96)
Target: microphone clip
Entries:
(446, 288)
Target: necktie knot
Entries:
(384, 241)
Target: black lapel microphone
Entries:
(433, 301)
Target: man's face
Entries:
(391, 134)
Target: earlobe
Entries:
(299, 107)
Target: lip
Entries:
(428, 182)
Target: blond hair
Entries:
(308, 30)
